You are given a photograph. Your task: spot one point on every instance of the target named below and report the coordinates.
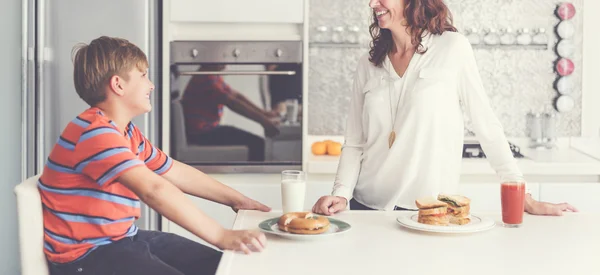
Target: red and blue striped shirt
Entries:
(83, 205)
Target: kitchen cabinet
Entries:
(584, 196)
(485, 197)
(238, 11)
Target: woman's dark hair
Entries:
(432, 16)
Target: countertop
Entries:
(377, 244)
(570, 156)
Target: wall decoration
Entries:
(564, 85)
(565, 49)
(565, 67)
(565, 11)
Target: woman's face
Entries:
(389, 12)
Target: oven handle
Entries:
(239, 73)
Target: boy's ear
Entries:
(116, 85)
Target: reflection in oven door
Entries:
(236, 103)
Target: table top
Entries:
(378, 244)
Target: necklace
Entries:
(393, 114)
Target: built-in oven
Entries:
(236, 106)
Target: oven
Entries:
(236, 106)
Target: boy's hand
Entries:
(250, 204)
(242, 240)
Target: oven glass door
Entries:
(237, 114)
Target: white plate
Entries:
(477, 224)
(336, 227)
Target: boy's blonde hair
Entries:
(96, 63)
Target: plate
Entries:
(336, 227)
(477, 224)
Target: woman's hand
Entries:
(545, 208)
(329, 205)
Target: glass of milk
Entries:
(293, 190)
(291, 106)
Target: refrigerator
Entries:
(51, 28)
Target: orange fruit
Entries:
(319, 148)
(334, 148)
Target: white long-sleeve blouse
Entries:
(426, 156)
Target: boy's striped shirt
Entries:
(83, 204)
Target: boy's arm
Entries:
(170, 202)
(191, 180)
(196, 183)
(104, 155)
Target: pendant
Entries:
(392, 138)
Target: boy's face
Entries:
(137, 91)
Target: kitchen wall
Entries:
(517, 80)
(10, 140)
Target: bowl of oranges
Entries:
(326, 147)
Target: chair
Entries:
(188, 152)
(31, 228)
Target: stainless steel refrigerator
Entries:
(50, 30)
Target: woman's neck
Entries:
(402, 40)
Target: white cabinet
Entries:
(238, 11)
(485, 197)
(584, 196)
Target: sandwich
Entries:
(458, 208)
(432, 211)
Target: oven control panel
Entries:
(193, 52)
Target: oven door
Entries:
(236, 106)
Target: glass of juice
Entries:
(513, 203)
(293, 190)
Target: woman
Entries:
(404, 133)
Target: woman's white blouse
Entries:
(426, 156)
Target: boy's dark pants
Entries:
(148, 253)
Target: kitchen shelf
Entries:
(336, 45)
(541, 47)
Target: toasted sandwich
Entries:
(432, 211)
(458, 208)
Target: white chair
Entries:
(31, 228)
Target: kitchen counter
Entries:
(376, 244)
(570, 173)
(571, 156)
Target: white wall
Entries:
(590, 124)
(10, 139)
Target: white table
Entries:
(377, 244)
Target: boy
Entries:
(102, 166)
